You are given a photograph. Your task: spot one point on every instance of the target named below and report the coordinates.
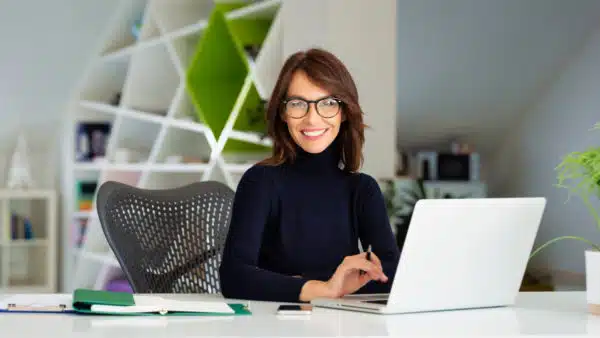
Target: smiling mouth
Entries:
(314, 132)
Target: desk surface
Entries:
(545, 313)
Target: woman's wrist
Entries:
(315, 289)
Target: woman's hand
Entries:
(348, 277)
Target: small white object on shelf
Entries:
(19, 173)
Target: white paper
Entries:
(183, 305)
(146, 304)
(125, 309)
(38, 300)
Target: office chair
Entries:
(168, 240)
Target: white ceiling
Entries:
(467, 68)
(46, 46)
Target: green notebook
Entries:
(122, 303)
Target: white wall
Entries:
(45, 47)
(467, 68)
(364, 38)
(556, 125)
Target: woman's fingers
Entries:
(348, 277)
(377, 263)
(375, 260)
(361, 264)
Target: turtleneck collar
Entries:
(327, 161)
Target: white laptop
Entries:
(458, 254)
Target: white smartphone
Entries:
(294, 309)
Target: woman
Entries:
(299, 215)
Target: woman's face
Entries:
(312, 131)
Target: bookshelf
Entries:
(28, 241)
(175, 95)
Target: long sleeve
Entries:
(374, 229)
(240, 275)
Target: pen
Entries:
(362, 272)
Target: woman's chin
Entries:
(314, 143)
(315, 147)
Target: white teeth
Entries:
(314, 133)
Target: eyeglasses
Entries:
(326, 107)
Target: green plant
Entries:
(403, 211)
(256, 118)
(579, 173)
(416, 194)
(389, 197)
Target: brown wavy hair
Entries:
(329, 73)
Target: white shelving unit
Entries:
(153, 118)
(28, 241)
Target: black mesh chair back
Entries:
(167, 240)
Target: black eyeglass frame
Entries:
(315, 102)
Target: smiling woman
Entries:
(298, 216)
(315, 79)
(315, 129)
(312, 129)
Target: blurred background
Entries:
(465, 98)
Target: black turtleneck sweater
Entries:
(296, 222)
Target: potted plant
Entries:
(579, 173)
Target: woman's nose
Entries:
(312, 113)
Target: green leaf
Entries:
(421, 188)
(579, 174)
(540, 248)
(412, 194)
(405, 201)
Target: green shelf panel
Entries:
(250, 31)
(250, 118)
(218, 70)
(241, 147)
(216, 74)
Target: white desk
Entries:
(536, 313)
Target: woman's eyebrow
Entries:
(289, 97)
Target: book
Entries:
(87, 301)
